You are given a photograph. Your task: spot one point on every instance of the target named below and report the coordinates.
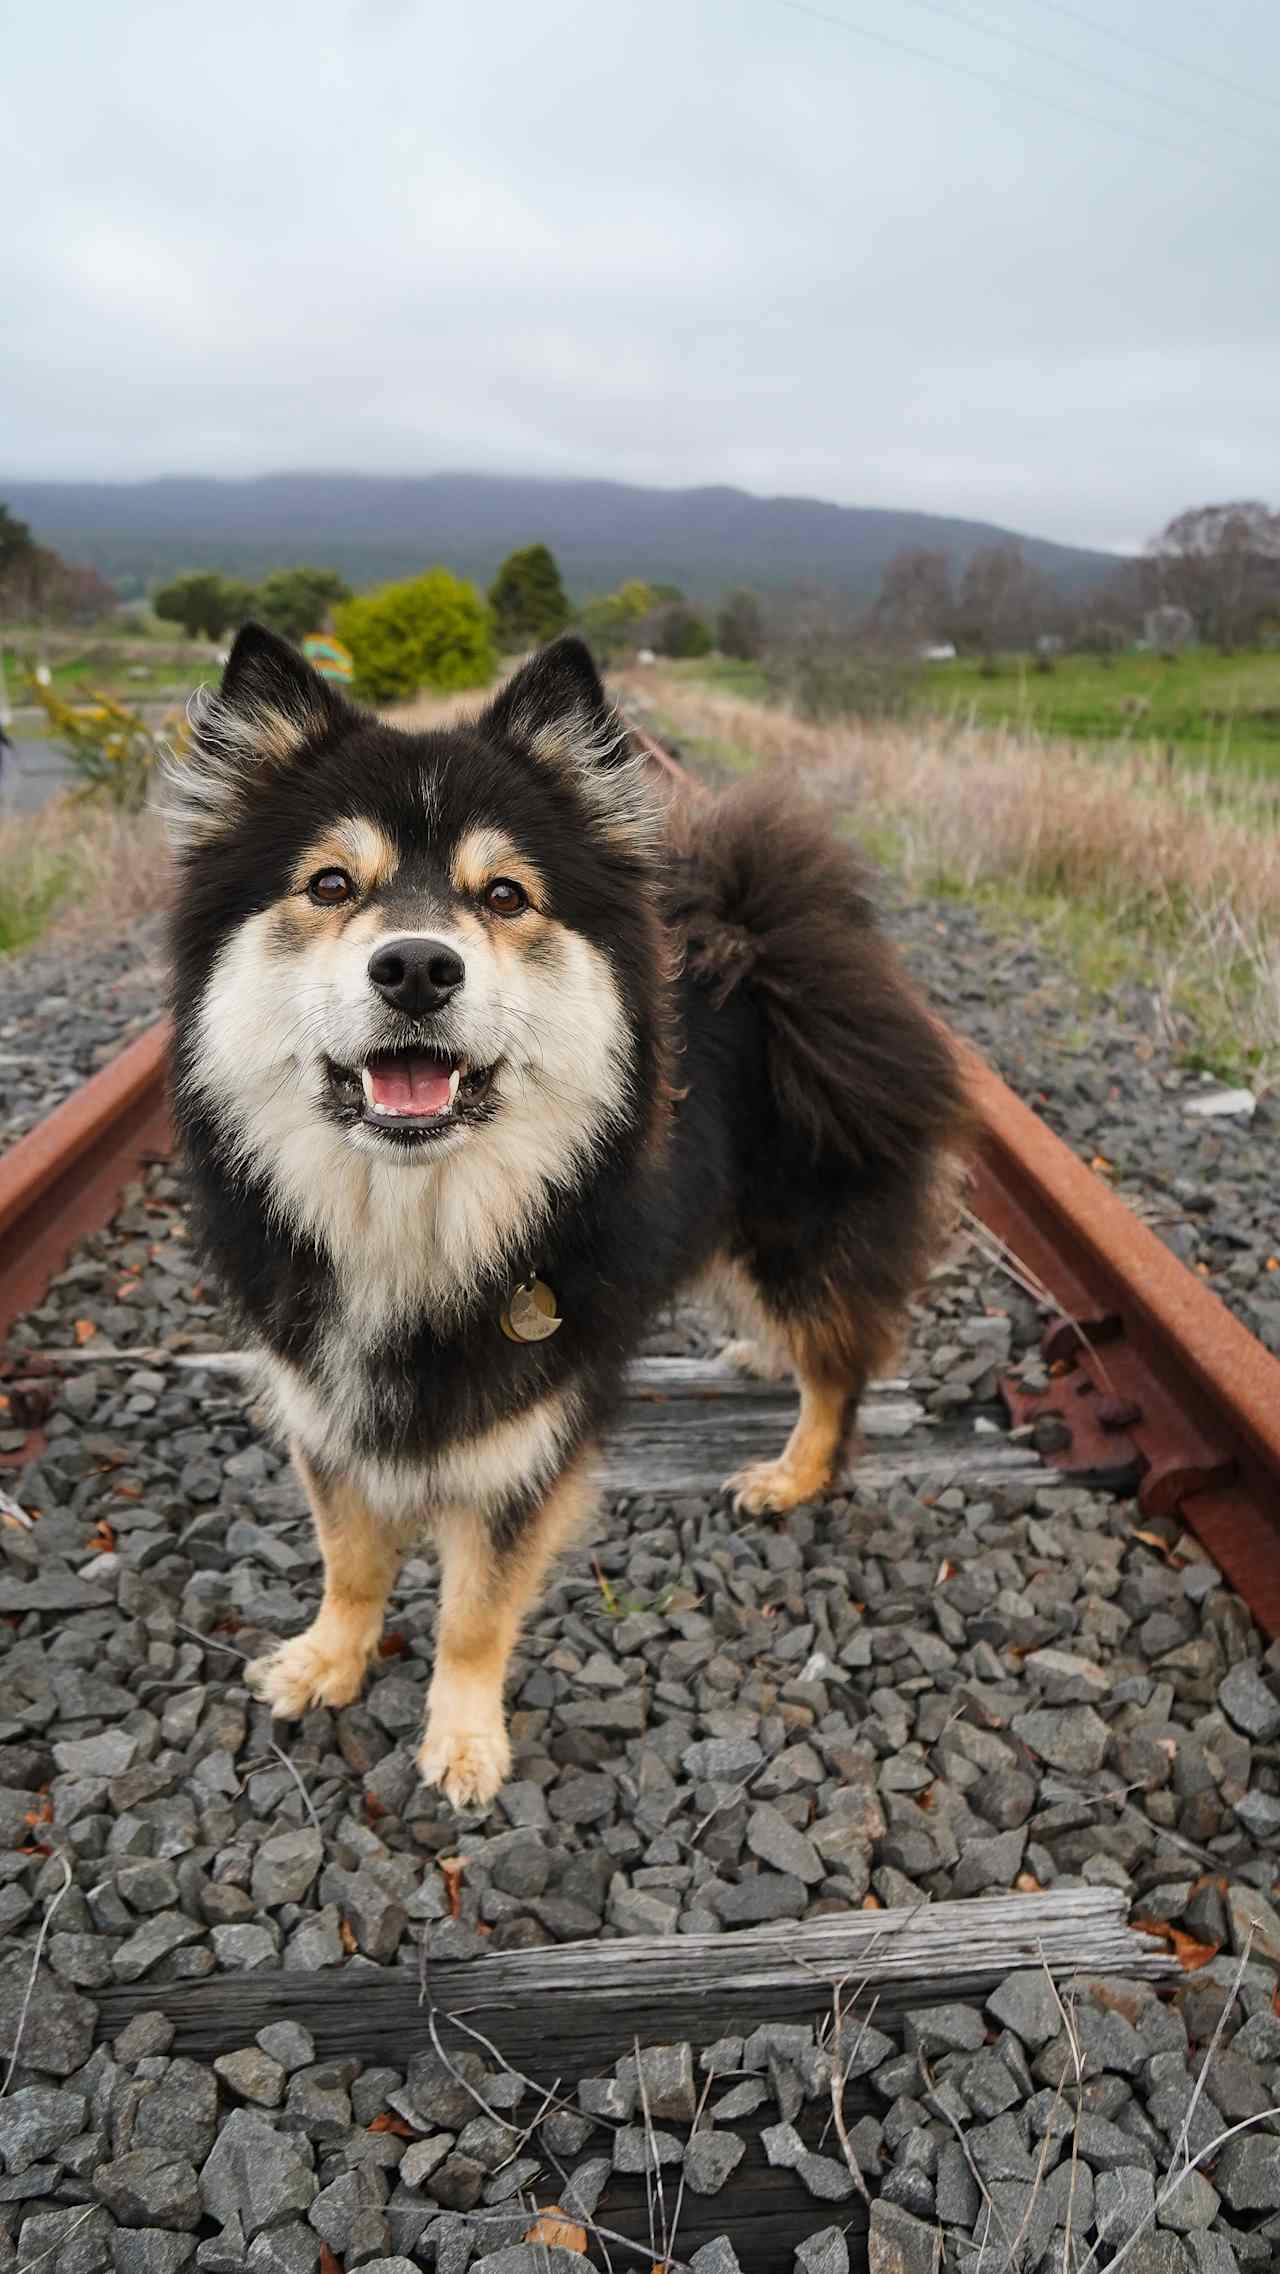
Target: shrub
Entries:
(681, 632)
(740, 627)
(823, 679)
(112, 749)
(431, 631)
(295, 601)
(527, 598)
(205, 602)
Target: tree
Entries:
(915, 602)
(295, 601)
(612, 620)
(431, 631)
(679, 631)
(16, 542)
(1222, 564)
(203, 601)
(528, 599)
(740, 627)
(1000, 600)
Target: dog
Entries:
(482, 1050)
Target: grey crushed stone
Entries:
(63, 1016)
(1055, 1618)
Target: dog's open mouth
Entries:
(411, 1093)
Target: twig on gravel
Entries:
(974, 2173)
(29, 2264)
(1175, 2177)
(212, 1641)
(25, 2008)
(653, 2169)
(839, 2077)
(456, 2022)
(458, 2077)
(1181, 2144)
(1001, 1255)
(295, 1773)
(697, 2118)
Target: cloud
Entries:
(688, 244)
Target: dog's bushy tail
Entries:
(767, 895)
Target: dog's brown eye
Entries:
(330, 887)
(503, 898)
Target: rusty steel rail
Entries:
(63, 1180)
(1151, 1377)
(1149, 1367)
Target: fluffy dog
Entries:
(482, 1050)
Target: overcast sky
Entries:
(978, 258)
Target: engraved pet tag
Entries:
(530, 1314)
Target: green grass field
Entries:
(1217, 710)
(1208, 709)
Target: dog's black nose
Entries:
(416, 976)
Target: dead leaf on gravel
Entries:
(451, 1870)
(84, 1330)
(1189, 1953)
(555, 2226)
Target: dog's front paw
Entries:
(308, 1671)
(467, 1764)
(770, 1488)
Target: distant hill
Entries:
(372, 527)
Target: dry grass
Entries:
(81, 867)
(1167, 875)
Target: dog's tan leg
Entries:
(484, 1595)
(807, 1462)
(326, 1665)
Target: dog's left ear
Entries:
(269, 710)
(556, 709)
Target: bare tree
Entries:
(1002, 603)
(1222, 564)
(915, 601)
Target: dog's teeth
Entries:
(367, 1079)
(454, 1079)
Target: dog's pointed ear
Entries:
(556, 709)
(557, 689)
(270, 709)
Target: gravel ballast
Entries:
(68, 1006)
(888, 1697)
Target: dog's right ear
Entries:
(269, 710)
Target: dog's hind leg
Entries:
(807, 1463)
(326, 1665)
(486, 1588)
(834, 1358)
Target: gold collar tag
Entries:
(529, 1314)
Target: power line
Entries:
(1161, 55)
(1083, 70)
(1010, 87)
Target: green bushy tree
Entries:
(433, 630)
(204, 601)
(528, 599)
(295, 601)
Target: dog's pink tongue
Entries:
(410, 1085)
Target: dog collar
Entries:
(529, 1313)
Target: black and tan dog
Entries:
(481, 1052)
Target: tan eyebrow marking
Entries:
(355, 844)
(484, 853)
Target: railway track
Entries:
(1151, 1383)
